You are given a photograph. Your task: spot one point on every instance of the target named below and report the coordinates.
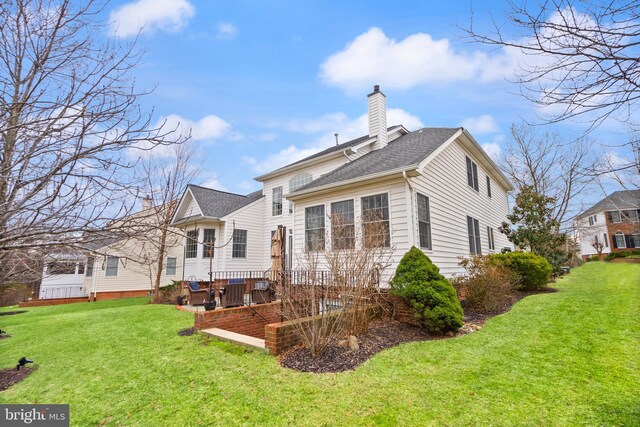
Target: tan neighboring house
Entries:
(122, 267)
(433, 188)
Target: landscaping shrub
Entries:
(531, 271)
(14, 294)
(487, 287)
(169, 293)
(625, 254)
(434, 301)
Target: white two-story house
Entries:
(433, 188)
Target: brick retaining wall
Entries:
(52, 301)
(241, 320)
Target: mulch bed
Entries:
(10, 313)
(11, 376)
(186, 332)
(383, 334)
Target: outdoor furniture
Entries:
(232, 294)
(197, 296)
(262, 293)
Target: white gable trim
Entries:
(181, 205)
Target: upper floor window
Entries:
(614, 216)
(590, 220)
(424, 222)
(191, 248)
(488, 186)
(208, 242)
(90, 261)
(375, 221)
(473, 230)
(239, 249)
(314, 228)
(631, 216)
(172, 264)
(343, 233)
(276, 205)
(112, 266)
(472, 174)
(299, 181)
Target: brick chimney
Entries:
(378, 117)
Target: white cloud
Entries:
(328, 124)
(211, 181)
(373, 58)
(227, 31)
(480, 125)
(493, 150)
(150, 16)
(207, 128)
(267, 137)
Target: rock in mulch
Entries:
(11, 376)
(186, 332)
(381, 335)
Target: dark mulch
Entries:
(3, 336)
(186, 332)
(381, 335)
(11, 376)
(10, 313)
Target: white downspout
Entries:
(411, 215)
(94, 279)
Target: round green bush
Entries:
(532, 271)
(433, 299)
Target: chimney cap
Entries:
(376, 89)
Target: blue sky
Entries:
(261, 84)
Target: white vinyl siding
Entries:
(424, 222)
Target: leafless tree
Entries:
(550, 166)
(335, 288)
(598, 246)
(578, 56)
(69, 118)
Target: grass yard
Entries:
(565, 358)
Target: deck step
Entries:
(244, 340)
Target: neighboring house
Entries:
(613, 223)
(63, 276)
(121, 267)
(434, 188)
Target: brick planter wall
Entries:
(628, 260)
(53, 301)
(397, 309)
(241, 320)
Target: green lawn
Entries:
(565, 358)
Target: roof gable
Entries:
(214, 203)
(620, 200)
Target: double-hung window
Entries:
(191, 248)
(314, 228)
(112, 266)
(375, 221)
(472, 174)
(620, 240)
(473, 229)
(172, 263)
(424, 222)
(276, 206)
(239, 249)
(343, 233)
(488, 186)
(208, 242)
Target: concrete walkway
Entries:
(244, 340)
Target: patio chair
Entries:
(232, 294)
(197, 296)
(262, 293)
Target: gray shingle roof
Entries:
(407, 150)
(339, 147)
(620, 200)
(216, 204)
